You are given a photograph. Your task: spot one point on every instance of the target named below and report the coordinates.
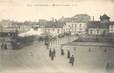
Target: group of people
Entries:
(52, 55)
(4, 46)
(71, 58)
(108, 66)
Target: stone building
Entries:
(75, 27)
(52, 27)
(12, 26)
(76, 24)
(102, 27)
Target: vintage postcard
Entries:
(56, 36)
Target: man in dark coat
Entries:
(62, 52)
(2, 46)
(52, 56)
(68, 54)
(54, 53)
(108, 66)
(50, 52)
(72, 60)
(89, 49)
(5, 46)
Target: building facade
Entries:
(76, 24)
(75, 27)
(102, 27)
(96, 28)
(111, 27)
(7, 25)
(53, 28)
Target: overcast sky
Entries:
(21, 10)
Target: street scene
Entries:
(44, 49)
(56, 36)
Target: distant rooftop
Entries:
(77, 18)
(88, 44)
(98, 24)
(92, 41)
(52, 24)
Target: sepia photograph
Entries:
(56, 36)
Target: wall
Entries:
(94, 57)
(111, 28)
(76, 28)
(99, 31)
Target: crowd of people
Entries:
(52, 55)
(4, 46)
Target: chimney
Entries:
(93, 18)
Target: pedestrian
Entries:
(72, 60)
(105, 50)
(108, 66)
(89, 49)
(52, 56)
(31, 54)
(50, 52)
(2, 46)
(68, 54)
(62, 52)
(54, 53)
(5, 46)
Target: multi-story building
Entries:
(52, 27)
(11, 26)
(75, 27)
(96, 28)
(76, 24)
(91, 51)
(102, 27)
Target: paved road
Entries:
(35, 58)
(57, 43)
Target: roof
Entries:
(77, 18)
(97, 24)
(52, 24)
(87, 41)
(88, 44)
(111, 23)
(74, 20)
(104, 17)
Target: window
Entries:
(91, 31)
(80, 29)
(75, 25)
(104, 32)
(48, 30)
(58, 31)
(80, 25)
(111, 28)
(97, 31)
(72, 25)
